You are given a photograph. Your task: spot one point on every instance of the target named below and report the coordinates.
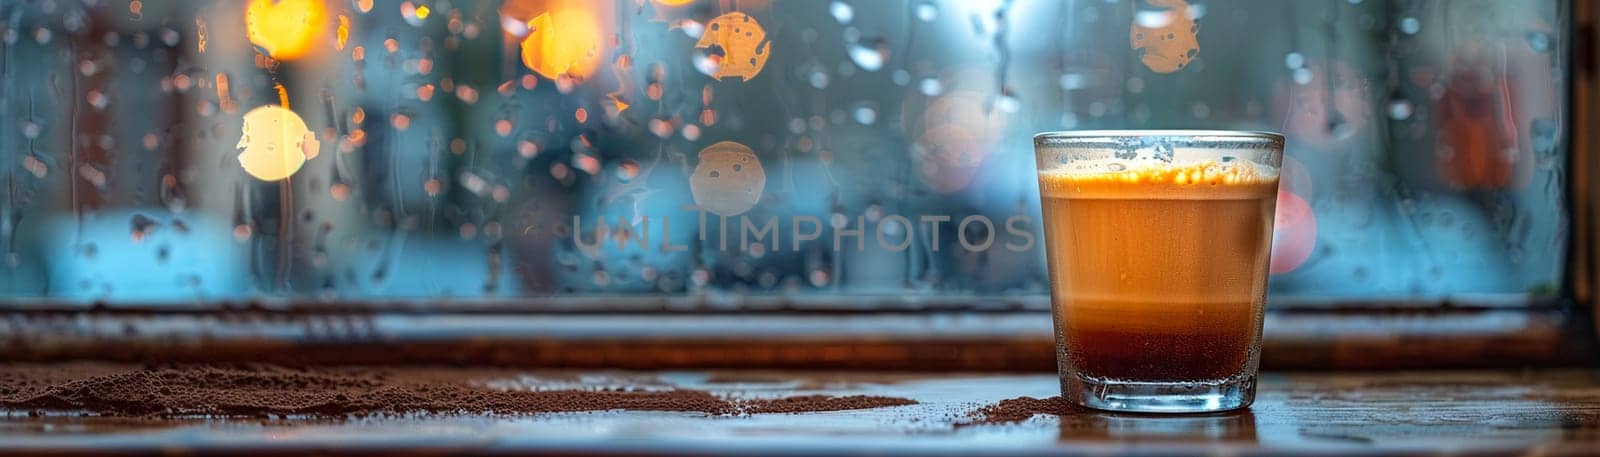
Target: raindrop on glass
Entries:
(1539, 41)
(1400, 109)
(869, 57)
(1153, 19)
(930, 87)
(927, 11)
(1410, 26)
(1008, 104)
(842, 12)
(865, 115)
(818, 78)
(901, 77)
(1302, 76)
(1072, 81)
(1294, 60)
(706, 65)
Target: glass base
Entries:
(1160, 397)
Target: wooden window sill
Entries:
(1018, 341)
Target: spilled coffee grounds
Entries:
(1020, 409)
(268, 390)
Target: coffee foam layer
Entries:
(1198, 179)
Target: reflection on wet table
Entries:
(942, 413)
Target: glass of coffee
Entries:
(1157, 243)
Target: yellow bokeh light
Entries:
(285, 29)
(274, 142)
(673, 2)
(566, 42)
(422, 12)
(744, 44)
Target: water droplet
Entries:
(1410, 26)
(1294, 60)
(413, 14)
(927, 11)
(1072, 81)
(1163, 152)
(869, 57)
(1008, 104)
(818, 78)
(706, 63)
(842, 12)
(1539, 41)
(1545, 136)
(865, 115)
(513, 26)
(140, 226)
(819, 277)
(1153, 19)
(97, 99)
(901, 77)
(1400, 109)
(930, 87)
(691, 28)
(1302, 76)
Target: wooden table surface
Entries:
(1552, 412)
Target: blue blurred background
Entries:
(470, 149)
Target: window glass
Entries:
(191, 152)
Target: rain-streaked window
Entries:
(194, 152)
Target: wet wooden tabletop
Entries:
(1551, 412)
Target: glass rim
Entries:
(1230, 136)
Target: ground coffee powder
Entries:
(269, 390)
(1020, 409)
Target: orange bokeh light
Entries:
(564, 42)
(285, 29)
(743, 42)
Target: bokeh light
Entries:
(1294, 233)
(743, 42)
(1164, 36)
(285, 29)
(566, 42)
(729, 179)
(274, 142)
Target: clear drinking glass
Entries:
(1157, 243)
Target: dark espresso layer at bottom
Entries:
(1159, 342)
(1133, 356)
